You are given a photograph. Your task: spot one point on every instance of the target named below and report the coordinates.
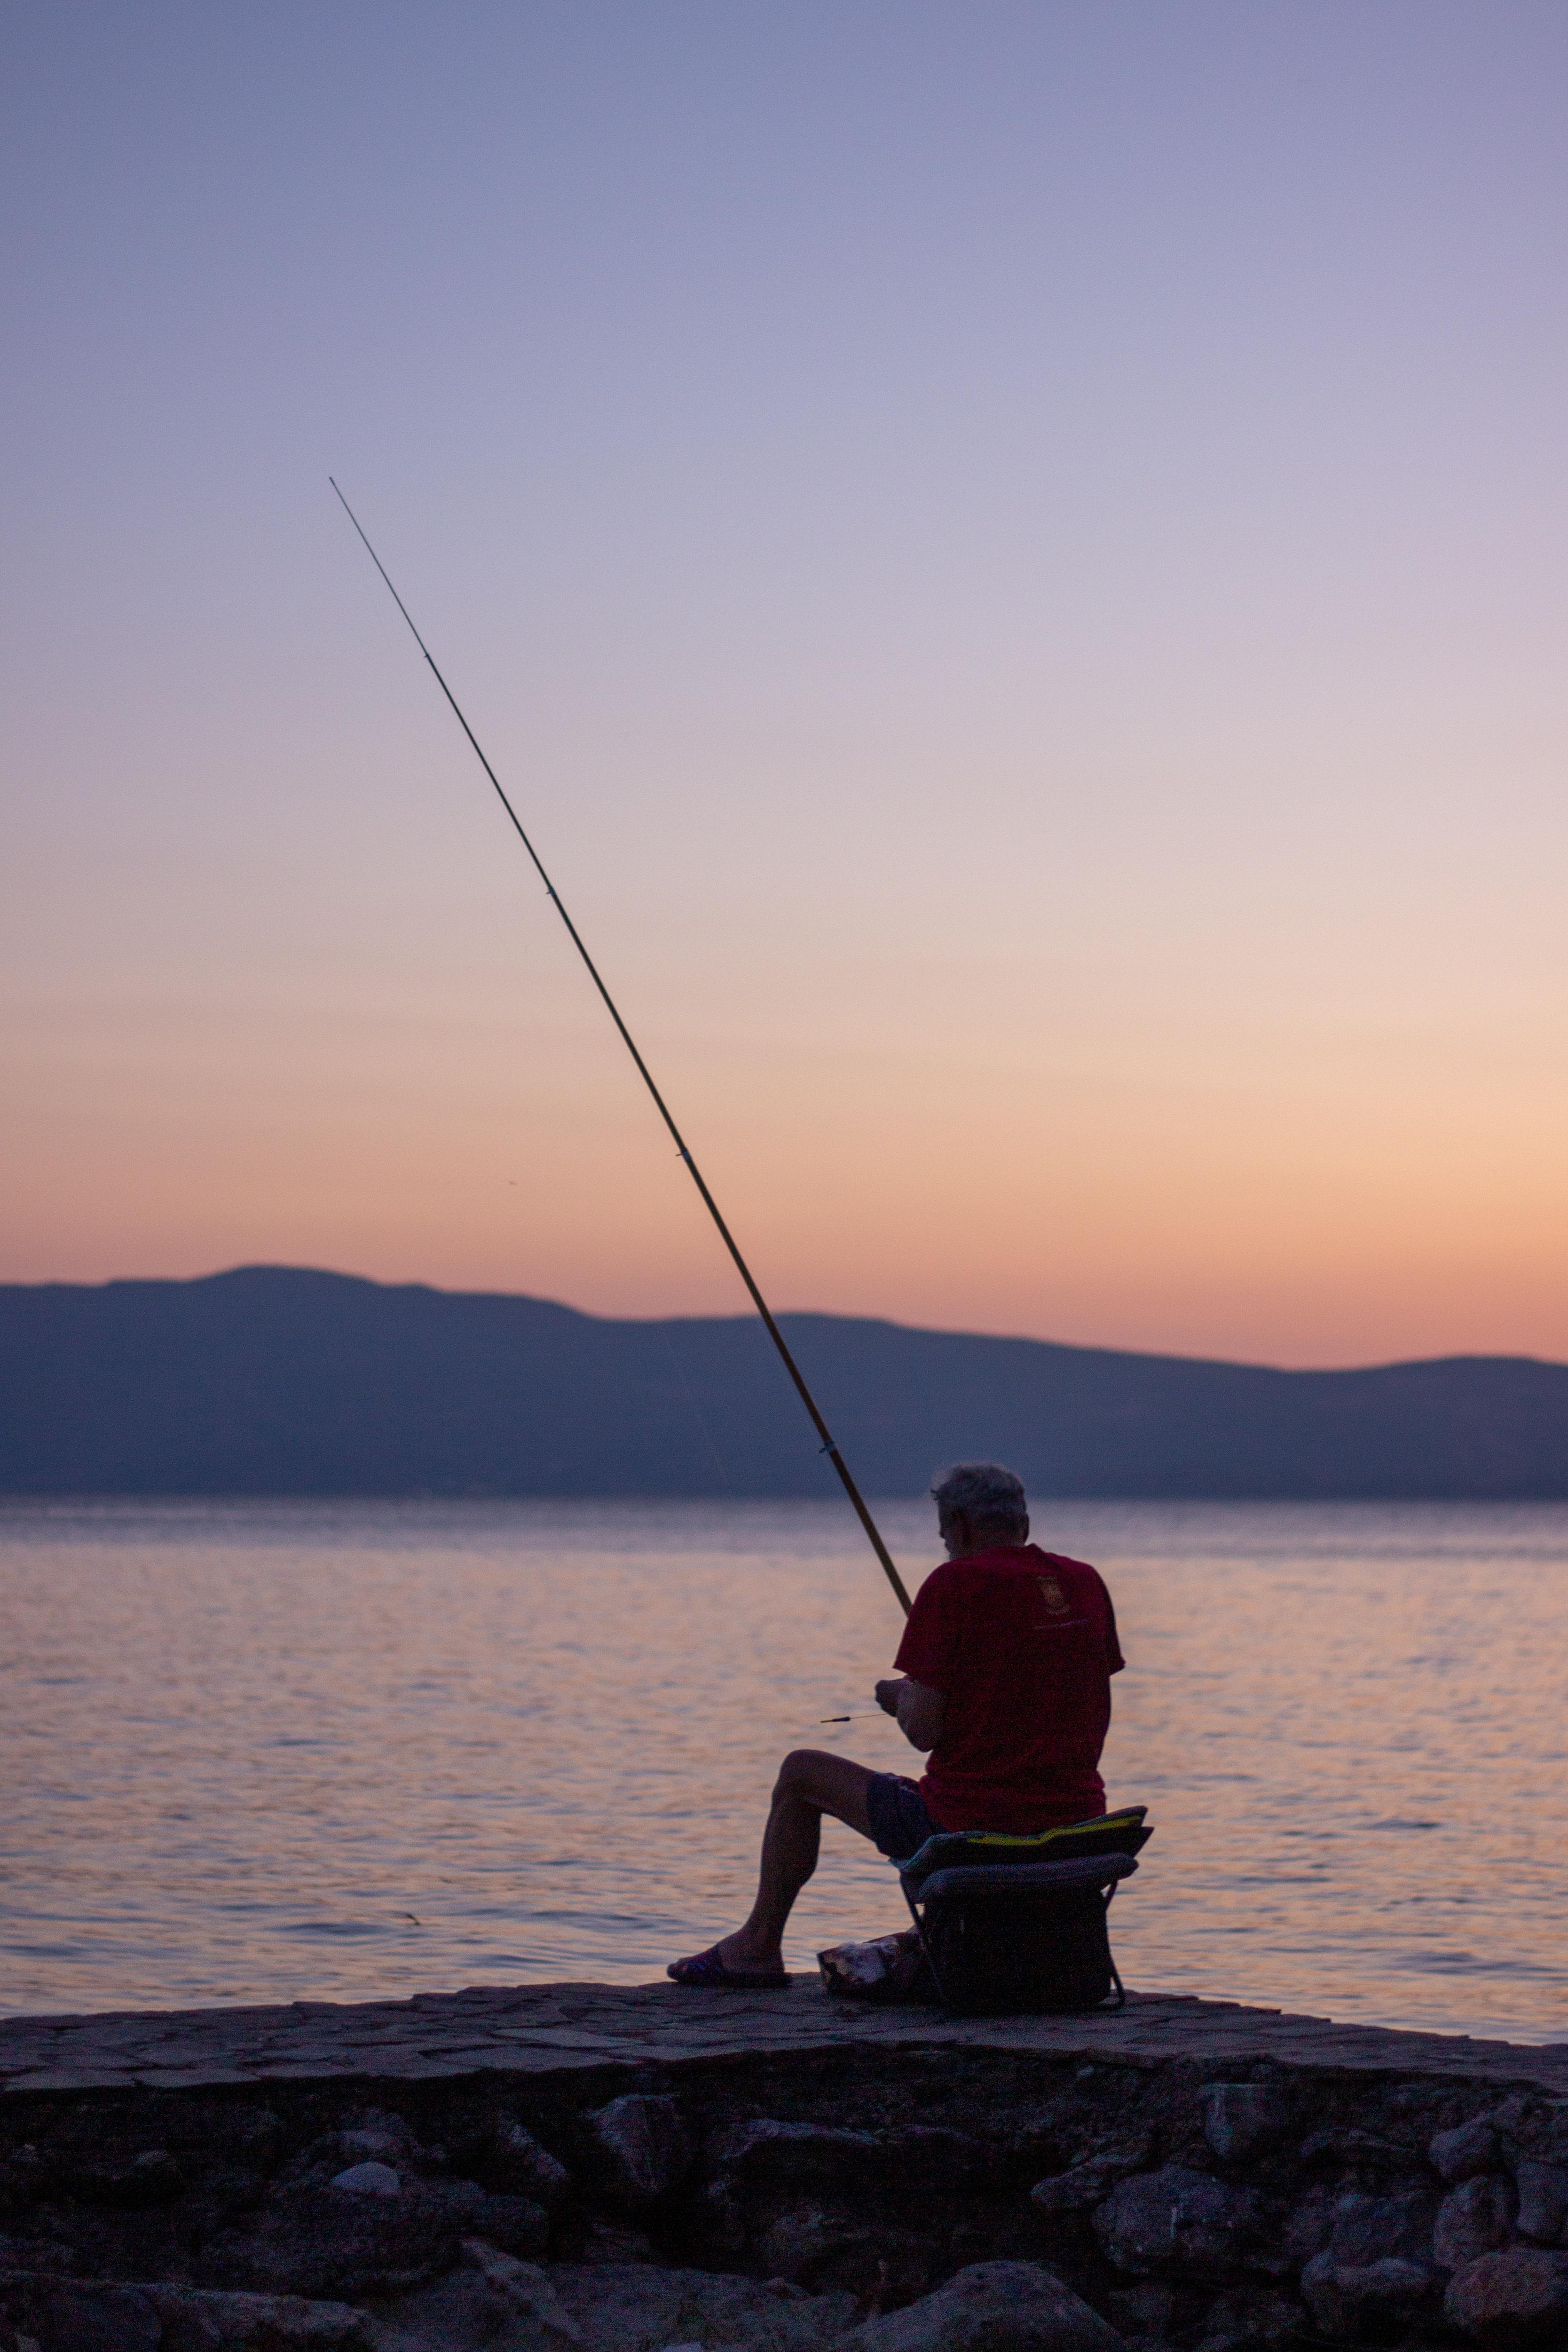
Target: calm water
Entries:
(259, 1752)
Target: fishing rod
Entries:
(829, 1446)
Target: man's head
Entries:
(980, 1506)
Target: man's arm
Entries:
(920, 1711)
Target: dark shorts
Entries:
(899, 1821)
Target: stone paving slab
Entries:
(561, 2028)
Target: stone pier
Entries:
(638, 2169)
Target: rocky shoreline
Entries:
(633, 2169)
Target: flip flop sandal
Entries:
(706, 1969)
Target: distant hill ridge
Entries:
(280, 1380)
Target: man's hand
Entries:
(921, 1714)
(919, 1711)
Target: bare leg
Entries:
(810, 1783)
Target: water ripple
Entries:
(243, 1743)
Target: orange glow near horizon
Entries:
(1309, 1214)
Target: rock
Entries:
(515, 2225)
(643, 2146)
(1346, 2144)
(1078, 2190)
(384, 2140)
(254, 2134)
(1516, 2299)
(614, 2243)
(645, 2309)
(1089, 2182)
(807, 2199)
(1469, 2149)
(1363, 2301)
(1239, 2117)
(193, 2322)
(1542, 2201)
(804, 2242)
(839, 2248)
(380, 2135)
(460, 2313)
(812, 2157)
(1251, 2321)
(992, 2307)
(370, 2146)
(329, 2243)
(368, 2181)
(1176, 2224)
(151, 2178)
(19, 2257)
(22, 2181)
(375, 2147)
(1474, 2219)
(78, 2315)
(524, 2287)
(933, 2153)
(510, 2160)
(1529, 2123)
(1308, 2227)
(1364, 2229)
(838, 2207)
(1146, 2309)
(717, 2223)
(468, 2311)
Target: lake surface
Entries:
(258, 1752)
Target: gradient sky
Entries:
(1013, 560)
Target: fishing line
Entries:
(720, 1464)
(829, 1446)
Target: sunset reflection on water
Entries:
(267, 1751)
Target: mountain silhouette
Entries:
(280, 1380)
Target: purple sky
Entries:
(1012, 558)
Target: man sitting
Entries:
(1004, 1686)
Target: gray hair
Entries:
(985, 1493)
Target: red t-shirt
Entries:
(1021, 1644)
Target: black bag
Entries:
(1000, 1953)
(1008, 1933)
